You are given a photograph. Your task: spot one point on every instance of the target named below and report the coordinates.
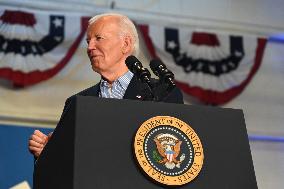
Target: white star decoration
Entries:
(224, 68)
(4, 46)
(212, 69)
(238, 54)
(188, 68)
(199, 66)
(34, 49)
(231, 64)
(57, 38)
(171, 45)
(57, 22)
(23, 49)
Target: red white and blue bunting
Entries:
(35, 45)
(212, 67)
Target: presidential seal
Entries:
(168, 150)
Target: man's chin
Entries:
(95, 68)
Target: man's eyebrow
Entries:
(96, 35)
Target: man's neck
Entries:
(111, 77)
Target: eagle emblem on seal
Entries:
(168, 147)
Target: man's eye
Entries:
(99, 38)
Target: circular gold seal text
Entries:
(168, 150)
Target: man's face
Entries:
(105, 45)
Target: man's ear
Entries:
(127, 45)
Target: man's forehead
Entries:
(102, 25)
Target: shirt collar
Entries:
(123, 80)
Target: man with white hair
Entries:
(111, 39)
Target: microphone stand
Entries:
(149, 85)
(143, 74)
(166, 79)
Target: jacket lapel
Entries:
(95, 91)
(134, 90)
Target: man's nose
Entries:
(92, 44)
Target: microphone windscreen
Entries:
(130, 61)
(158, 67)
(155, 63)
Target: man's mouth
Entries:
(94, 56)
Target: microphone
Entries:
(135, 66)
(165, 75)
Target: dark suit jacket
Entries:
(136, 90)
